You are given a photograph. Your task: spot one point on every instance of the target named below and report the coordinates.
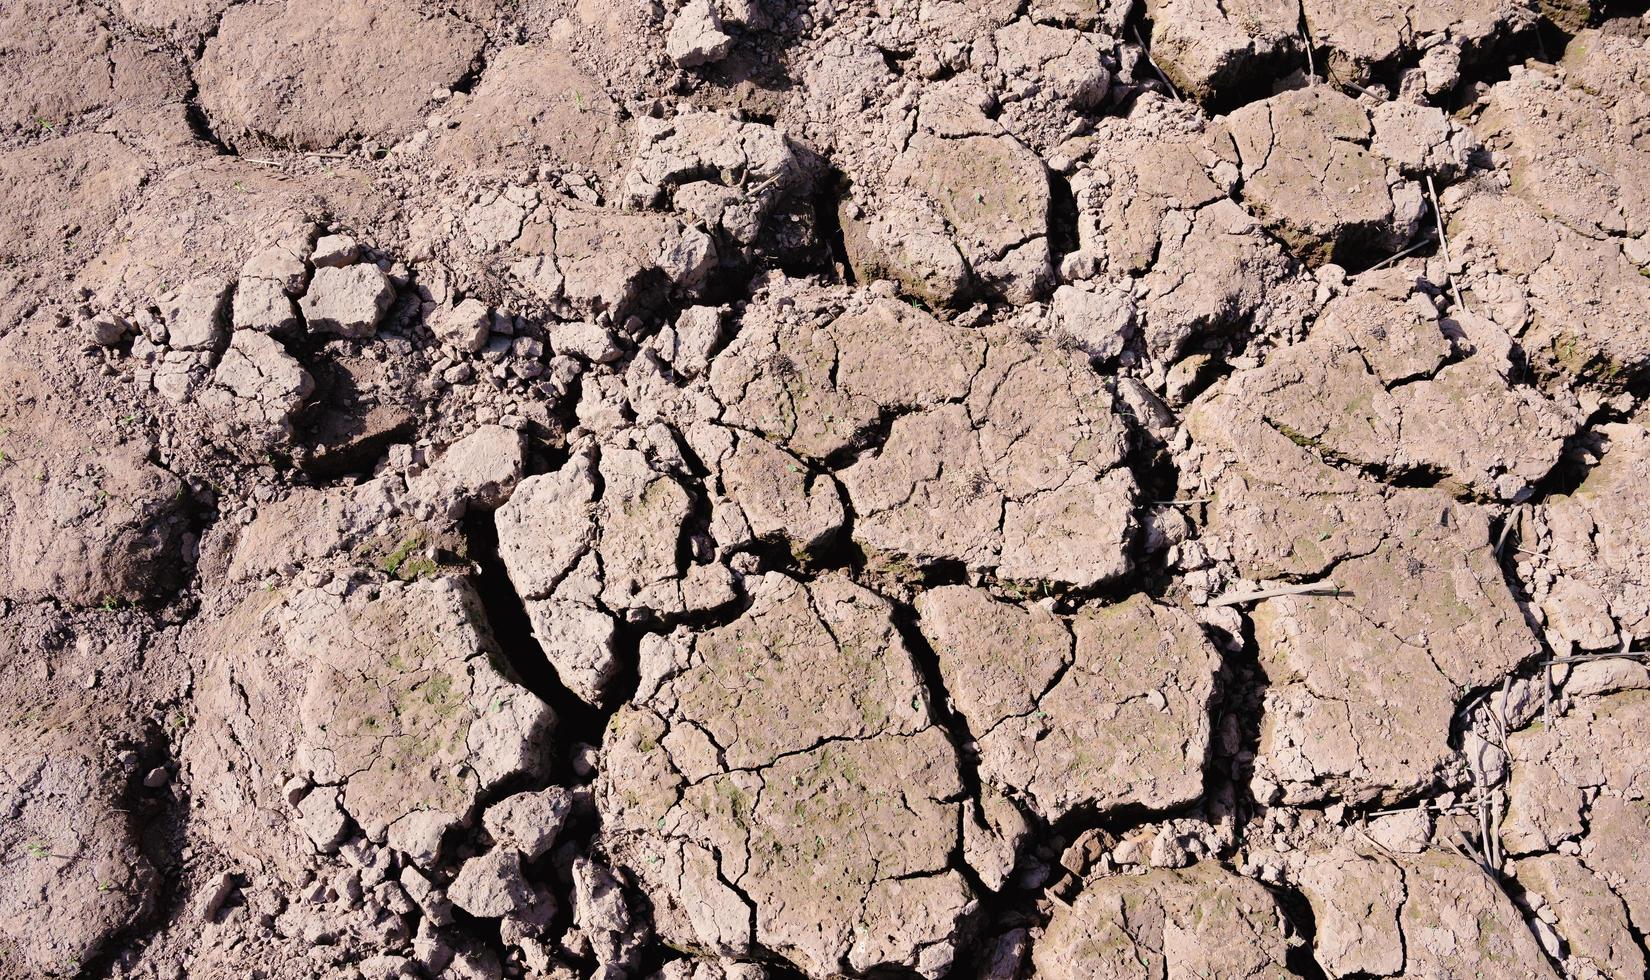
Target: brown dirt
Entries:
(737, 490)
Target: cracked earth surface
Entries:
(763, 490)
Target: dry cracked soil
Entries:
(786, 490)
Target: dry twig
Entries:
(1423, 243)
(1443, 245)
(1583, 657)
(1142, 45)
(1516, 517)
(1315, 588)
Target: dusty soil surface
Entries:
(760, 490)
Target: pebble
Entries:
(212, 897)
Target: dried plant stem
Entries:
(1315, 588)
(1165, 79)
(1443, 245)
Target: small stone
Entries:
(157, 777)
(213, 896)
(492, 885)
(195, 317)
(335, 251)
(697, 37)
(530, 822)
(585, 340)
(464, 326)
(105, 331)
(348, 301)
(323, 820)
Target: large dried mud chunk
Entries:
(260, 386)
(725, 173)
(1356, 900)
(1203, 921)
(1384, 382)
(760, 492)
(1421, 140)
(313, 74)
(59, 61)
(1569, 784)
(697, 36)
(710, 969)
(348, 300)
(907, 243)
(990, 189)
(1614, 61)
(955, 20)
(1379, 36)
(534, 104)
(999, 454)
(1224, 272)
(1415, 625)
(1210, 49)
(480, 470)
(73, 875)
(1148, 210)
(1026, 477)
(1117, 718)
(392, 705)
(1066, 67)
(243, 748)
(305, 528)
(1433, 914)
(925, 495)
(1457, 921)
(1310, 176)
(1599, 546)
(1591, 918)
(86, 525)
(777, 785)
(599, 539)
(1052, 441)
(1145, 166)
(1576, 304)
(1105, 16)
(407, 707)
(816, 378)
(1281, 511)
(581, 262)
(1573, 141)
(1046, 80)
(371, 520)
(1618, 838)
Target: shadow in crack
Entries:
(513, 631)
